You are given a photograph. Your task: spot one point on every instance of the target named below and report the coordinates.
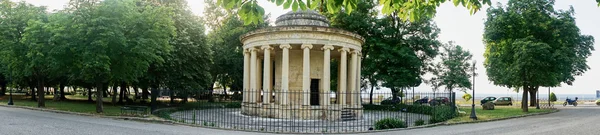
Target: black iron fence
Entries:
(316, 112)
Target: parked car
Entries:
(423, 100)
(487, 99)
(503, 101)
(439, 101)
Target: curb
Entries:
(498, 119)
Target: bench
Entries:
(459, 111)
(133, 110)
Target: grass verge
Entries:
(498, 113)
(69, 105)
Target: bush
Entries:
(419, 122)
(441, 113)
(389, 123)
(552, 97)
(233, 105)
(437, 113)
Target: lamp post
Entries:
(10, 100)
(473, 115)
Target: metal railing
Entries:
(359, 112)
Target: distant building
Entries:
(597, 93)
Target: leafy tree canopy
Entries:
(529, 44)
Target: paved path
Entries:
(582, 119)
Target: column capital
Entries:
(327, 47)
(355, 52)
(309, 46)
(283, 46)
(264, 47)
(345, 49)
(252, 49)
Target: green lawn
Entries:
(499, 112)
(80, 106)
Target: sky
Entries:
(456, 24)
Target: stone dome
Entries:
(302, 17)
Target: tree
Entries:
(115, 40)
(362, 21)
(413, 10)
(26, 43)
(552, 97)
(187, 66)
(529, 44)
(453, 70)
(227, 67)
(403, 57)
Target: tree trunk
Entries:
(33, 93)
(145, 93)
(171, 97)
(122, 93)
(135, 92)
(532, 99)
(371, 94)
(99, 91)
(62, 91)
(56, 96)
(41, 95)
(105, 91)
(3, 87)
(114, 95)
(210, 93)
(185, 99)
(90, 95)
(153, 103)
(225, 92)
(524, 99)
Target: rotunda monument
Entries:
(287, 69)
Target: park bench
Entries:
(134, 110)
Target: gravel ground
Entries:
(232, 119)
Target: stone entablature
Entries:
(315, 32)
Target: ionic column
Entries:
(259, 77)
(358, 102)
(285, 69)
(253, 75)
(306, 74)
(267, 74)
(343, 74)
(326, 73)
(352, 79)
(246, 88)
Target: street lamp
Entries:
(473, 115)
(10, 100)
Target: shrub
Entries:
(441, 113)
(552, 97)
(419, 122)
(233, 105)
(389, 123)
